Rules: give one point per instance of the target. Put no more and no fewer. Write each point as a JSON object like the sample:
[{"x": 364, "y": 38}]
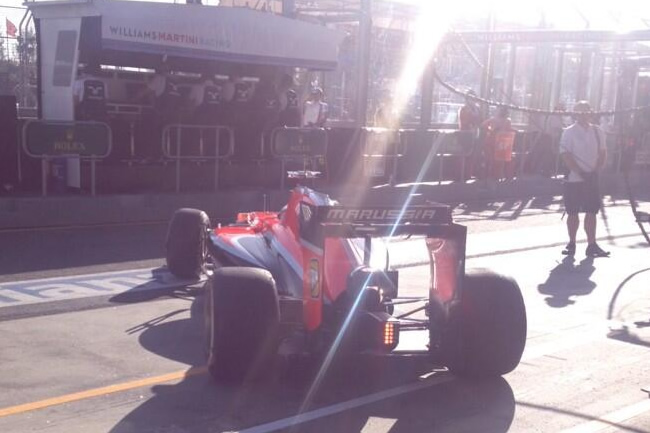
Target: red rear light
[
  {"x": 378, "y": 331},
  {"x": 391, "y": 334}
]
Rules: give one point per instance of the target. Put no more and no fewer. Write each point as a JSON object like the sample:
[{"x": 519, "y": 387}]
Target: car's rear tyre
[
  {"x": 186, "y": 245},
  {"x": 242, "y": 318},
  {"x": 492, "y": 321}
]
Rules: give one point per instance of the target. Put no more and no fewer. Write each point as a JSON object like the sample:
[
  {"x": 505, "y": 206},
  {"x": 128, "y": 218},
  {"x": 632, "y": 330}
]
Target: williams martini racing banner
[{"x": 222, "y": 33}]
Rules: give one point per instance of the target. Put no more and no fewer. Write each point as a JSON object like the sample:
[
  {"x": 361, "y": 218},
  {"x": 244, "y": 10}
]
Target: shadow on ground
[
  {"x": 568, "y": 280},
  {"x": 349, "y": 398},
  {"x": 506, "y": 210}
]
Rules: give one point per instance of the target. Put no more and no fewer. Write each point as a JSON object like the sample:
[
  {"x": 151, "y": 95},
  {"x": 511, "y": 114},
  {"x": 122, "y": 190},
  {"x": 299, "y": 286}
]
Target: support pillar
[
  {"x": 363, "y": 61},
  {"x": 288, "y": 8},
  {"x": 427, "y": 96},
  {"x": 486, "y": 78},
  {"x": 583, "y": 74},
  {"x": 557, "y": 81},
  {"x": 512, "y": 65}
]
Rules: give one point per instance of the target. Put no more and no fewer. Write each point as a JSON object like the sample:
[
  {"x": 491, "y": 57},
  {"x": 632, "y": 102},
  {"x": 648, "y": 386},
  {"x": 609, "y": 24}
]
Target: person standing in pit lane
[
  {"x": 491, "y": 129},
  {"x": 167, "y": 96},
  {"x": 469, "y": 122},
  {"x": 240, "y": 116},
  {"x": 583, "y": 150},
  {"x": 266, "y": 110},
  {"x": 289, "y": 103},
  {"x": 275, "y": 107},
  {"x": 469, "y": 115},
  {"x": 238, "y": 93},
  {"x": 162, "y": 91}
]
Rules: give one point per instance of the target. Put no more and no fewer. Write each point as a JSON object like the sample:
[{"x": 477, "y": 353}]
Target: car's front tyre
[{"x": 186, "y": 244}]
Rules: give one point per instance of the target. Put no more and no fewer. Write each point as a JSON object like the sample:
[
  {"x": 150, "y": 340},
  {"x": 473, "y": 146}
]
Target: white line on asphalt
[
  {"x": 374, "y": 422},
  {"x": 613, "y": 419},
  {"x": 77, "y": 276},
  {"x": 29, "y": 292},
  {"x": 437, "y": 379}
]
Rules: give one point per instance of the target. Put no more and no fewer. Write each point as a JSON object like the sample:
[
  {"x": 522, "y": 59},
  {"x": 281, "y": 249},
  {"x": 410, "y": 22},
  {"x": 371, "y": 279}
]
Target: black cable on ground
[{"x": 639, "y": 217}]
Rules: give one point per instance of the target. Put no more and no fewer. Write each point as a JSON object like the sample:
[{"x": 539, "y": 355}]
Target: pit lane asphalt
[
  {"x": 52, "y": 252},
  {"x": 572, "y": 372}
]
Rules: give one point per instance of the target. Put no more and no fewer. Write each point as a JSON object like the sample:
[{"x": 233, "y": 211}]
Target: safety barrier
[
  {"x": 510, "y": 149},
  {"x": 523, "y": 144},
  {"x": 204, "y": 131},
  {"x": 332, "y": 156},
  {"x": 380, "y": 150},
  {"x": 50, "y": 140},
  {"x": 615, "y": 143},
  {"x": 304, "y": 145},
  {"x": 453, "y": 145},
  {"x": 642, "y": 156},
  {"x": 131, "y": 114}
]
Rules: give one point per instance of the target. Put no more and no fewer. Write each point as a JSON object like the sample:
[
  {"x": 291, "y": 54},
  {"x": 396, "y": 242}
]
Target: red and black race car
[{"x": 304, "y": 279}]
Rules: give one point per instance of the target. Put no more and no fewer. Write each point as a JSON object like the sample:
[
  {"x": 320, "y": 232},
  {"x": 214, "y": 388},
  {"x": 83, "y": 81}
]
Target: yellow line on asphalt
[{"x": 83, "y": 395}]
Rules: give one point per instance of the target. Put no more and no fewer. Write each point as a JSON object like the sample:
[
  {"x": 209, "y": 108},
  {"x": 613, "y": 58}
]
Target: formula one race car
[{"x": 301, "y": 280}]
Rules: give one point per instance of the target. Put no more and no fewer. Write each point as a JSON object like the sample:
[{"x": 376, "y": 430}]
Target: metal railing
[
  {"x": 615, "y": 143},
  {"x": 642, "y": 156},
  {"x": 380, "y": 150},
  {"x": 131, "y": 113},
  {"x": 453, "y": 144},
  {"x": 177, "y": 131}
]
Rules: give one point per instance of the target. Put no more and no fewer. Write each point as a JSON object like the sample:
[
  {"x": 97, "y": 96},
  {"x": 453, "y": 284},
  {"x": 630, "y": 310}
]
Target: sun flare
[{"x": 431, "y": 25}]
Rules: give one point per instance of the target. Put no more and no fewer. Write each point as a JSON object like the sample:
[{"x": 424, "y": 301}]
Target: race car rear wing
[{"x": 318, "y": 222}]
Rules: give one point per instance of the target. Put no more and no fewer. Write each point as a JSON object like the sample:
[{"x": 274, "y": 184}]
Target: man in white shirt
[
  {"x": 315, "y": 111},
  {"x": 583, "y": 150}
]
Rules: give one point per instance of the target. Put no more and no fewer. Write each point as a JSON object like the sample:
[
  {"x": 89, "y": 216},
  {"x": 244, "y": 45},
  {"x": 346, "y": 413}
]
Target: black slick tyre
[
  {"x": 186, "y": 245},
  {"x": 492, "y": 321},
  {"x": 242, "y": 320}
]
